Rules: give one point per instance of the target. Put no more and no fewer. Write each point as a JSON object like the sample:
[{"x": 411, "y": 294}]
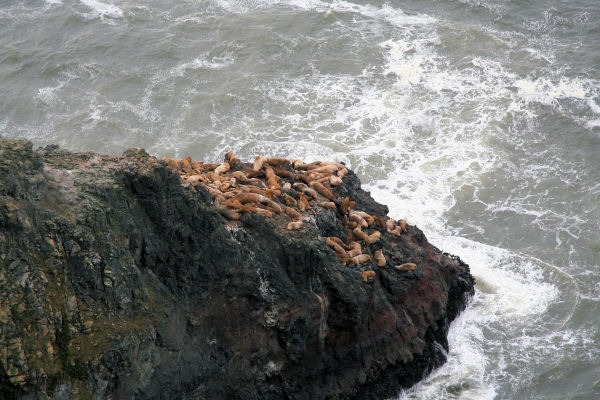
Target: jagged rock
[{"x": 117, "y": 281}]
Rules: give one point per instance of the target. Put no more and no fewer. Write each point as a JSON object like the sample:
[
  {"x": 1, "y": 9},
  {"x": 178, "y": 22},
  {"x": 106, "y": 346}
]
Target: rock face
[{"x": 119, "y": 282}]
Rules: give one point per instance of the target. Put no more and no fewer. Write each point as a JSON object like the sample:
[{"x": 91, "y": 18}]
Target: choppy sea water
[{"x": 477, "y": 120}]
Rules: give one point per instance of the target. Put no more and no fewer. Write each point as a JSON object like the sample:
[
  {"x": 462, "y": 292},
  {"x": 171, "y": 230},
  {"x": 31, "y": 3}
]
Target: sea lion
[
  {"x": 293, "y": 214},
  {"x": 171, "y": 163},
  {"x": 344, "y": 205},
  {"x": 406, "y": 267},
  {"x": 272, "y": 192},
  {"x": 298, "y": 164},
  {"x": 338, "y": 240},
  {"x": 284, "y": 174},
  {"x": 289, "y": 200},
  {"x": 343, "y": 258},
  {"x": 390, "y": 226},
  {"x": 273, "y": 184},
  {"x": 294, "y": 225},
  {"x": 230, "y": 158},
  {"x": 277, "y": 161},
  {"x": 303, "y": 177},
  {"x": 229, "y": 213},
  {"x": 379, "y": 258},
  {"x": 258, "y": 163},
  {"x": 361, "y": 259},
  {"x": 336, "y": 247},
  {"x": 240, "y": 176},
  {"x": 358, "y": 233},
  {"x": 355, "y": 249},
  {"x": 329, "y": 168},
  {"x": 349, "y": 224},
  {"x": 330, "y": 205},
  {"x": 301, "y": 187},
  {"x": 366, "y": 275},
  {"x": 379, "y": 221},
  {"x": 342, "y": 172},
  {"x": 195, "y": 178},
  {"x": 303, "y": 203},
  {"x": 403, "y": 225},
  {"x": 335, "y": 181},
  {"x": 373, "y": 237},
  {"x": 357, "y": 217},
  {"x": 186, "y": 165},
  {"x": 319, "y": 187},
  {"x": 255, "y": 209}
]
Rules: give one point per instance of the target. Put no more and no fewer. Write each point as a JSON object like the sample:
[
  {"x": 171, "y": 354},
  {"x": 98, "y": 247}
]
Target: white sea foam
[{"x": 100, "y": 9}]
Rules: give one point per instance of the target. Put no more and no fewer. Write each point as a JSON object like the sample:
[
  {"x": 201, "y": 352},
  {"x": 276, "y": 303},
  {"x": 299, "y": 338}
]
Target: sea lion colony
[{"x": 277, "y": 186}]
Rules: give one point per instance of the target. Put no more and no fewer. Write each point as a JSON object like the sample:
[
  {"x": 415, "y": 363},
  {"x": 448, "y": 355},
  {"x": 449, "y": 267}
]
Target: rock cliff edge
[{"x": 120, "y": 280}]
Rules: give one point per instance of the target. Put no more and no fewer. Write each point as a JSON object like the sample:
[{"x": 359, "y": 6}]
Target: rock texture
[{"x": 119, "y": 282}]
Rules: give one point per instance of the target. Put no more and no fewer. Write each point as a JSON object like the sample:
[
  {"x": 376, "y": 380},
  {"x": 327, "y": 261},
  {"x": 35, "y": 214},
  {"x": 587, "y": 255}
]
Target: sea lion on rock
[
  {"x": 230, "y": 158},
  {"x": 319, "y": 187},
  {"x": 379, "y": 258},
  {"x": 303, "y": 203},
  {"x": 293, "y": 214},
  {"x": 335, "y": 181},
  {"x": 229, "y": 213},
  {"x": 373, "y": 237},
  {"x": 361, "y": 259},
  {"x": 366, "y": 275},
  {"x": 358, "y": 233},
  {"x": 289, "y": 200},
  {"x": 330, "y": 205},
  {"x": 222, "y": 168},
  {"x": 258, "y": 163},
  {"x": 240, "y": 176},
  {"x": 406, "y": 267},
  {"x": 335, "y": 246}
]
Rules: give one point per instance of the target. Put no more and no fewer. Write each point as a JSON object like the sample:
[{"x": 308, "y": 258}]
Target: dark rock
[{"x": 167, "y": 300}]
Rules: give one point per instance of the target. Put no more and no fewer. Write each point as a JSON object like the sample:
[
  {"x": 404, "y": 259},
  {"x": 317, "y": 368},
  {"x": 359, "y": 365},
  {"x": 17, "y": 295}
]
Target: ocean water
[{"x": 477, "y": 120}]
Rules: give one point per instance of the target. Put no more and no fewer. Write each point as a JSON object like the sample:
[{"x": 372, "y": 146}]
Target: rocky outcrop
[{"x": 117, "y": 281}]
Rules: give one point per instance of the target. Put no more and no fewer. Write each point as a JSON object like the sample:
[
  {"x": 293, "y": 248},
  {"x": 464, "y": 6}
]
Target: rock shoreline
[{"x": 121, "y": 280}]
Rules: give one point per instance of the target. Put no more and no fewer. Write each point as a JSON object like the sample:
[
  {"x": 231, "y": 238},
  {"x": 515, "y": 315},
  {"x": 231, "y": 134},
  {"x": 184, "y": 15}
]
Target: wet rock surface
[{"x": 120, "y": 280}]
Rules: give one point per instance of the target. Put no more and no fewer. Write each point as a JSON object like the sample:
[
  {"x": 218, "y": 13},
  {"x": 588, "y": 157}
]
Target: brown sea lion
[
  {"x": 366, "y": 275},
  {"x": 284, "y": 173},
  {"x": 293, "y": 214},
  {"x": 359, "y": 234},
  {"x": 229, "y": 213},
  {"x": 344, "y": 205},
  {"x": 258, "y": 163},
  {"x": 330, "y": 205},
  {"x": 357, "y": 217},
  {"x": 335, "y": 181},
  {"x": 336, "y": 247},
  {"x": 373, "y": 237},
  {"x": 406, "y": 267},
  {"x": 230, "y": 158},
  {"x": 277, "y": 161},
  {"x": 289, "y": 200},
  {"x": 379, "y": 258},
  {"x": 319, "y": 187},
  {"x": 361, "y": 259},
  {"x": 171, "y": 163},
  {"x": 303, "y": 203},
  {"x": 329, "y": 168}
]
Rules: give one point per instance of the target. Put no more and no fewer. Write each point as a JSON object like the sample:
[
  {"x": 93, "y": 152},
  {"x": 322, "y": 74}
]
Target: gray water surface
[{"x": 477, "y": 120}]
